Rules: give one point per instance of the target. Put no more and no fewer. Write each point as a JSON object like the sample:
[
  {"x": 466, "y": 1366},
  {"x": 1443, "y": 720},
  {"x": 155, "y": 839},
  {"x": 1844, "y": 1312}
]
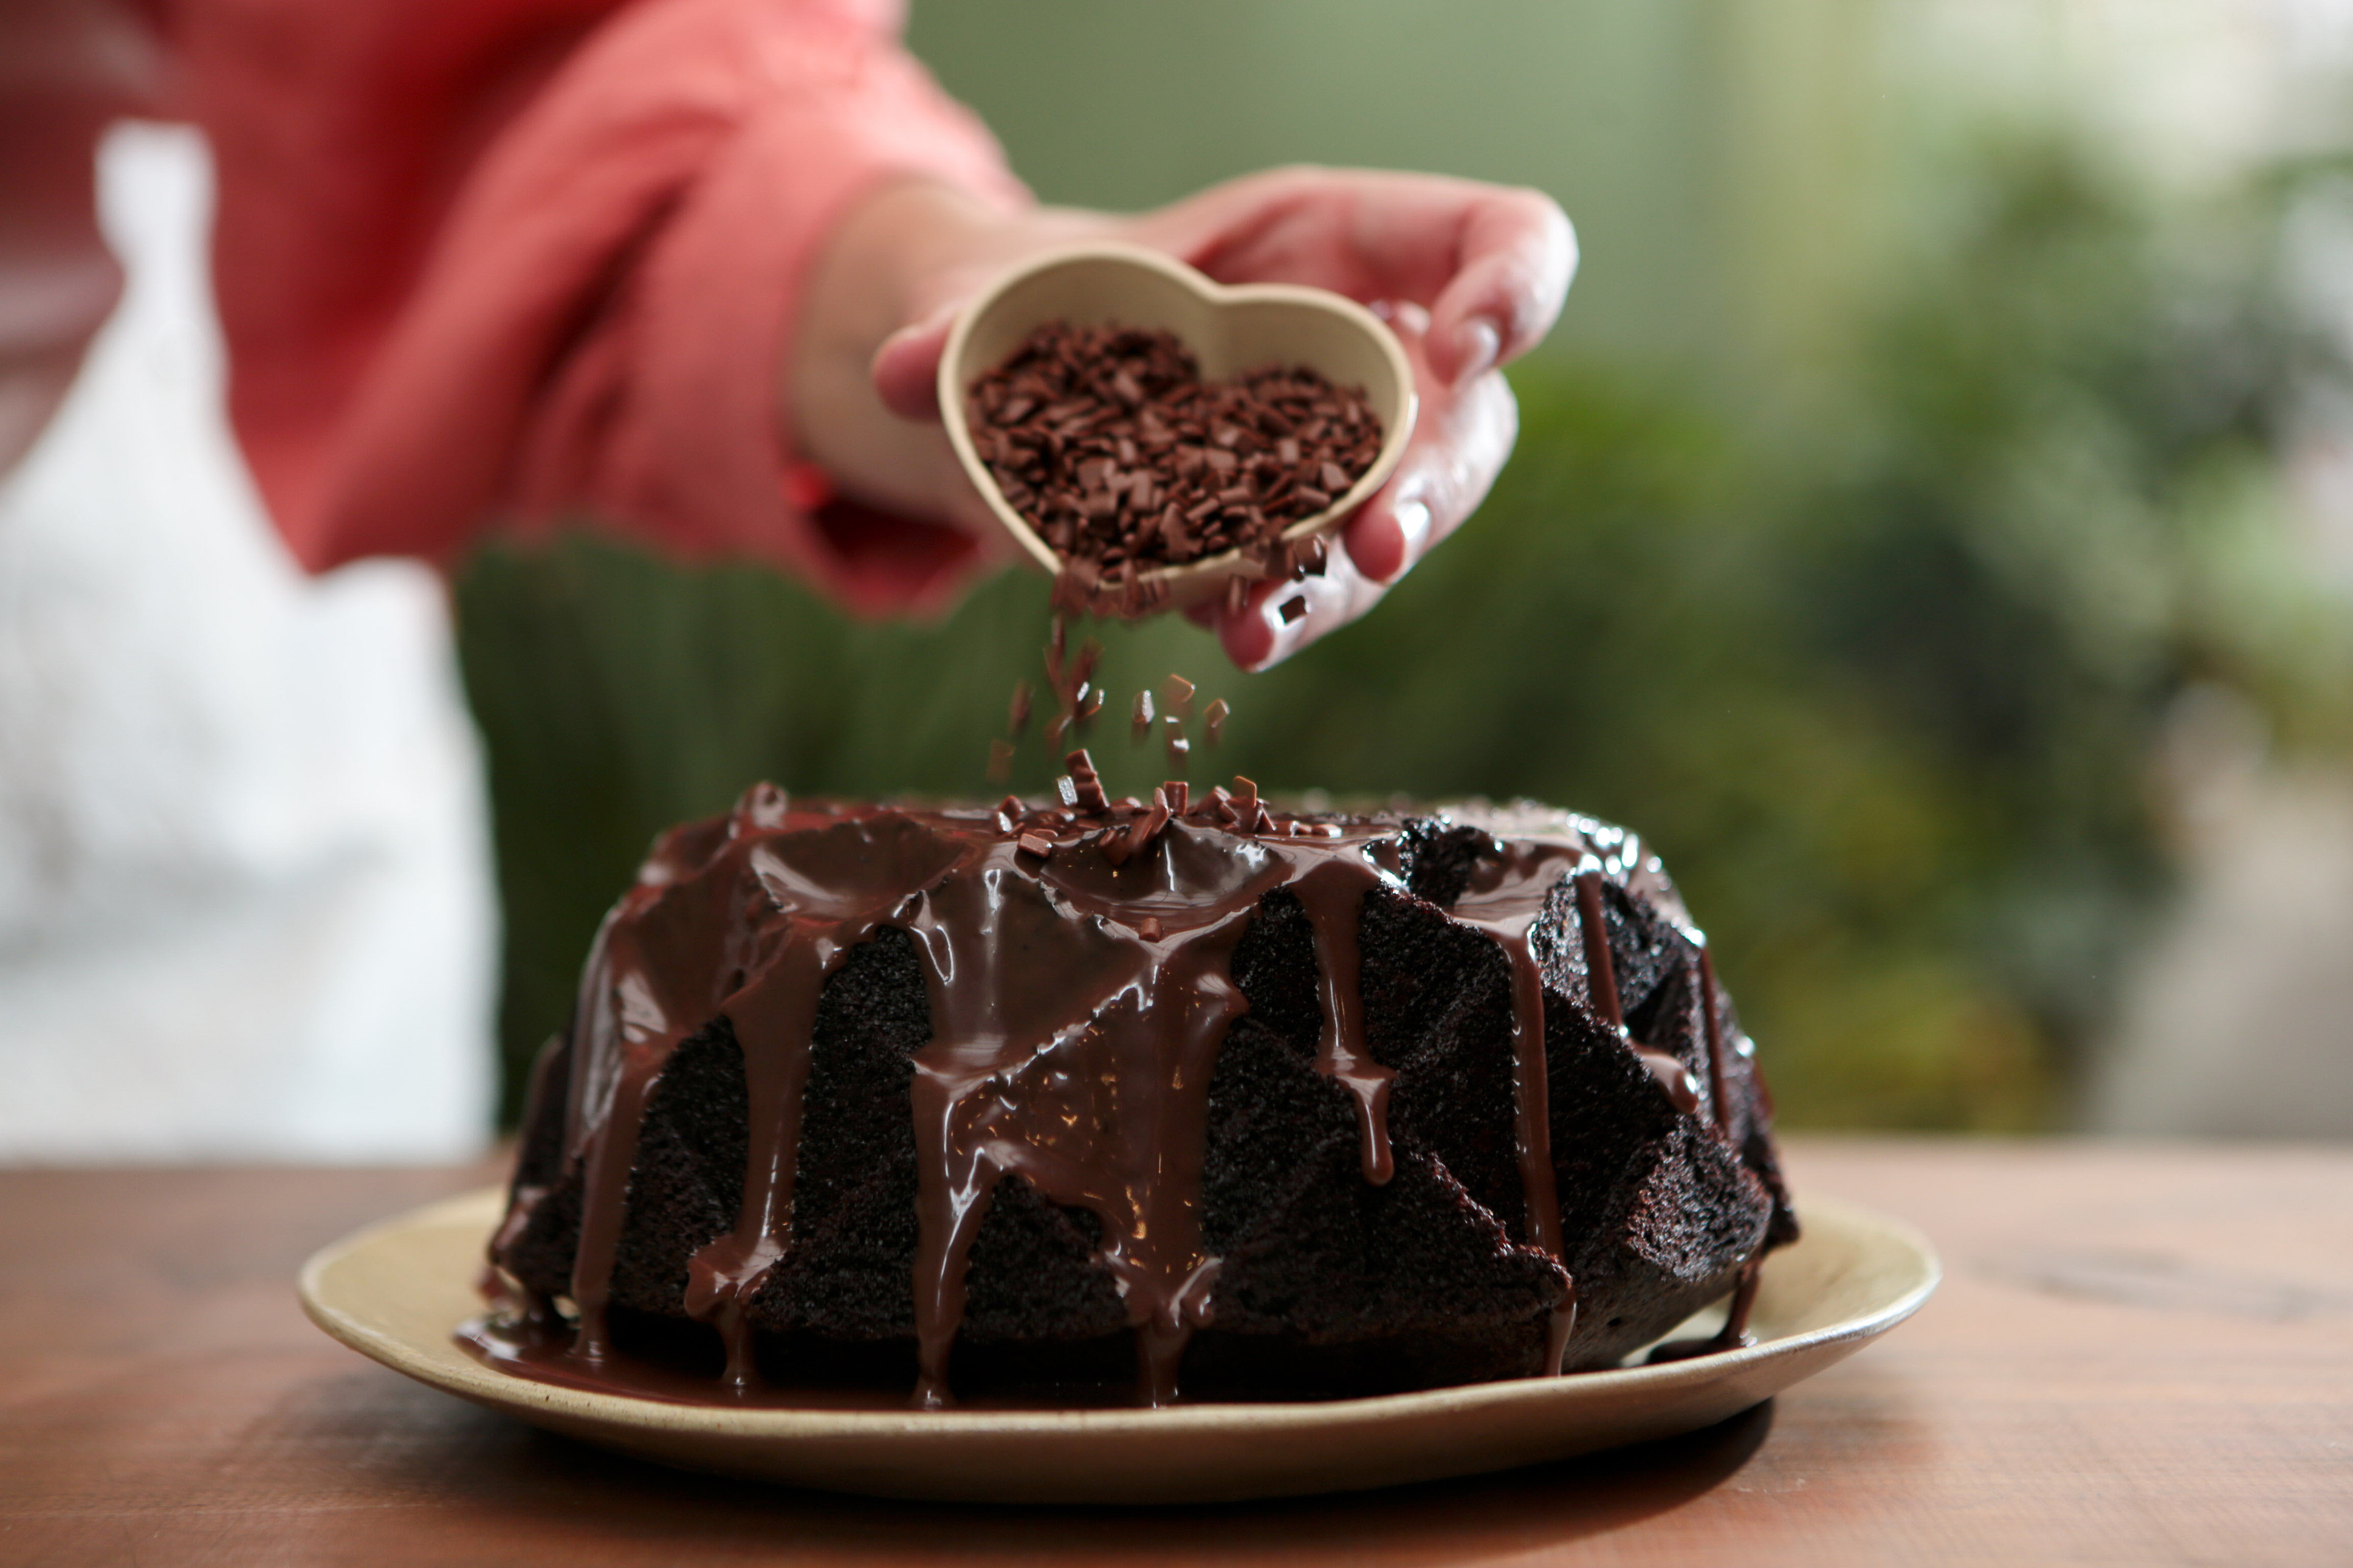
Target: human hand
[{"x": 1469, "y": 275}]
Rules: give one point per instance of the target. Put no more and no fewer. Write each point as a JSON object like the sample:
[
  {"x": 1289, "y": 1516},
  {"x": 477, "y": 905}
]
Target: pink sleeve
[{"x": 517, "y": 261}]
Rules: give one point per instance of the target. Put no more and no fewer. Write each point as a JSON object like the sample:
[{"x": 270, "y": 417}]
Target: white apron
[{"x": 244, "y": 906}]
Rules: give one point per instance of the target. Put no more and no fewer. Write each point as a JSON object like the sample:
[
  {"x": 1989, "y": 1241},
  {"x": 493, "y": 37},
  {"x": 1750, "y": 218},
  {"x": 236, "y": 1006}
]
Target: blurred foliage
[{"x": 1880, "y": 676}]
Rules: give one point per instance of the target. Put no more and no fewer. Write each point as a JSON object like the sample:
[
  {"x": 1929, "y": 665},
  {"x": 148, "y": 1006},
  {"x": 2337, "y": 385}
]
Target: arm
[{"x": 519, "y": 260}]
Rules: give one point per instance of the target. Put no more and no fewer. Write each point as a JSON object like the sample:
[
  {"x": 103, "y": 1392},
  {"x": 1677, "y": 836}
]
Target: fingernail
[
  {"x": 1413, "y": 528},
  {"x": 1285, "y": 619},
  {"x": 1477, "y": 343}
]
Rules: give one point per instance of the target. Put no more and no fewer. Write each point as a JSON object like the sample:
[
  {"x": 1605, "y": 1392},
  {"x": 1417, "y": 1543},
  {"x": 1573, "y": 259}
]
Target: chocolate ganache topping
[{"x": 1077, "y": 960}]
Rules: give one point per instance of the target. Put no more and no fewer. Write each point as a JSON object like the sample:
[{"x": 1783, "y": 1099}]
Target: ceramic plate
[{"x": 395, "y": 1290}]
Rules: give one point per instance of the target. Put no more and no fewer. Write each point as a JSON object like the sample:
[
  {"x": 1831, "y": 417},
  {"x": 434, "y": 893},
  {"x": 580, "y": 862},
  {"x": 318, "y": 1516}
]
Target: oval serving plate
[{"x": 394, "y": 1293}]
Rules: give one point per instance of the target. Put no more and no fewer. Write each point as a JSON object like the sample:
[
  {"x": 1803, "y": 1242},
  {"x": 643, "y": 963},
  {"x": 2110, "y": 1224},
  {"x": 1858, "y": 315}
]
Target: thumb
[{"x": 906, "y": 368}]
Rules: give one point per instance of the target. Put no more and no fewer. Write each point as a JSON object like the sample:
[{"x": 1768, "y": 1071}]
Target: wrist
[
  {"x": 901, "y": 256},
  {"x": 878, "y": 270}
]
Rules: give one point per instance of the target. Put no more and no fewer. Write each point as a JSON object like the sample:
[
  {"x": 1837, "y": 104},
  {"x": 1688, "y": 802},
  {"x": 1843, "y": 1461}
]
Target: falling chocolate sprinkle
[
  {"x": 1017, "y": 718},
  {"x": 1140, "y": 723},
  {"x": 1178, "y": 697},
  {"x": 1000, "y": 761},
  {"x": 1214, "y": 718},
  {"x": 1086, "y": 784}
]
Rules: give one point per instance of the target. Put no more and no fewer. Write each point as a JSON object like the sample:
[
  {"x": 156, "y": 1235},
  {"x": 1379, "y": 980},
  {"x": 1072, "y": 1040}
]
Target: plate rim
[{"x": 578, "y": 1408}]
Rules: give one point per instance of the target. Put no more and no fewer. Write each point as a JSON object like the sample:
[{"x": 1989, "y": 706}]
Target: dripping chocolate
[{"x": 1091, "y": 1100}]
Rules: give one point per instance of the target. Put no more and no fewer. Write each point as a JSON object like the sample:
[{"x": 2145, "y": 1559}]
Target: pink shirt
[{"x": 512, "y": 262}]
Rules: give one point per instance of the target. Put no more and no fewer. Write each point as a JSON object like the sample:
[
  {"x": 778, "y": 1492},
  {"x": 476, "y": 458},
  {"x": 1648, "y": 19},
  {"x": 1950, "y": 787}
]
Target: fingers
[
  {"x": 1518, "y": 257},
  {"x": 1460, "y": 442},
  {"x": 1491, "y": 263},
  {"x": 1388, "y": 534},
  {"x": 1279, "y": 618},
  {"x": 1458, "y": 448},
  {"x": 1460, "y": 439},
  {"x": 906, "y": 367}
]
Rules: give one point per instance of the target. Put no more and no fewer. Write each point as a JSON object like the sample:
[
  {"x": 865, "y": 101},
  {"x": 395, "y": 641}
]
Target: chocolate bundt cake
[{"x": 1109, "y": 1101}]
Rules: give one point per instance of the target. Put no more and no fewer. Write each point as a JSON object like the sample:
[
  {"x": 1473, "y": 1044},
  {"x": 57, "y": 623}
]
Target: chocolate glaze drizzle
[
  {"x": 1735, "y": 1333},
  {"x": 1506, "y": 893},
  {"x": 1076, "y": 960}
]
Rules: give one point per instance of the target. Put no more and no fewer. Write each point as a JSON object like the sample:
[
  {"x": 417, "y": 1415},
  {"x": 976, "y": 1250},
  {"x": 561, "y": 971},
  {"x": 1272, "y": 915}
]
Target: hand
[{"x": 1469, "y": 275}]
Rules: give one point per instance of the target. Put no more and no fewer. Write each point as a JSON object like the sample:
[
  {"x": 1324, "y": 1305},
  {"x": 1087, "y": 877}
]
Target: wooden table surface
[{"x": 2140, "y": 1354}]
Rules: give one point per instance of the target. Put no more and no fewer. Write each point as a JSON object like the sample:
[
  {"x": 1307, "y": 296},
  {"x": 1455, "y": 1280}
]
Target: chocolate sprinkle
[{"x": 1108, "y": 441}]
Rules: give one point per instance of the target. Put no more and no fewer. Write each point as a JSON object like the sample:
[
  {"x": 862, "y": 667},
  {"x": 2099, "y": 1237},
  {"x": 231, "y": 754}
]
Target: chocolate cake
[{"x": 1111, "y": 1100}]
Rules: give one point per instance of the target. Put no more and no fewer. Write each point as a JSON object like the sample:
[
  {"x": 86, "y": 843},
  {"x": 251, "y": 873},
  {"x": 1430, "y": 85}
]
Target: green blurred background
[{"x": 1913, "y": 442}]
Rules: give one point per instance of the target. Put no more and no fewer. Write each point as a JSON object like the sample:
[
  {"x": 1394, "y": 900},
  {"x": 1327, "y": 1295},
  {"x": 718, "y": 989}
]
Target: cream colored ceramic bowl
[
  {"x": 397, "y": 1291},
  {"x": 1230, "y": 329}
]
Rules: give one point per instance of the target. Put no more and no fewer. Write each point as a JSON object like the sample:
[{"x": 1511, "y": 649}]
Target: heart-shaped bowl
[{"x": 1229, "y": 329}]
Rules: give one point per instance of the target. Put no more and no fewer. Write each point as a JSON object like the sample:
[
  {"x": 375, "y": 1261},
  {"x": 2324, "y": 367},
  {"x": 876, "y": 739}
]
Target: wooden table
[{"x": 2141, "y": 1354}]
